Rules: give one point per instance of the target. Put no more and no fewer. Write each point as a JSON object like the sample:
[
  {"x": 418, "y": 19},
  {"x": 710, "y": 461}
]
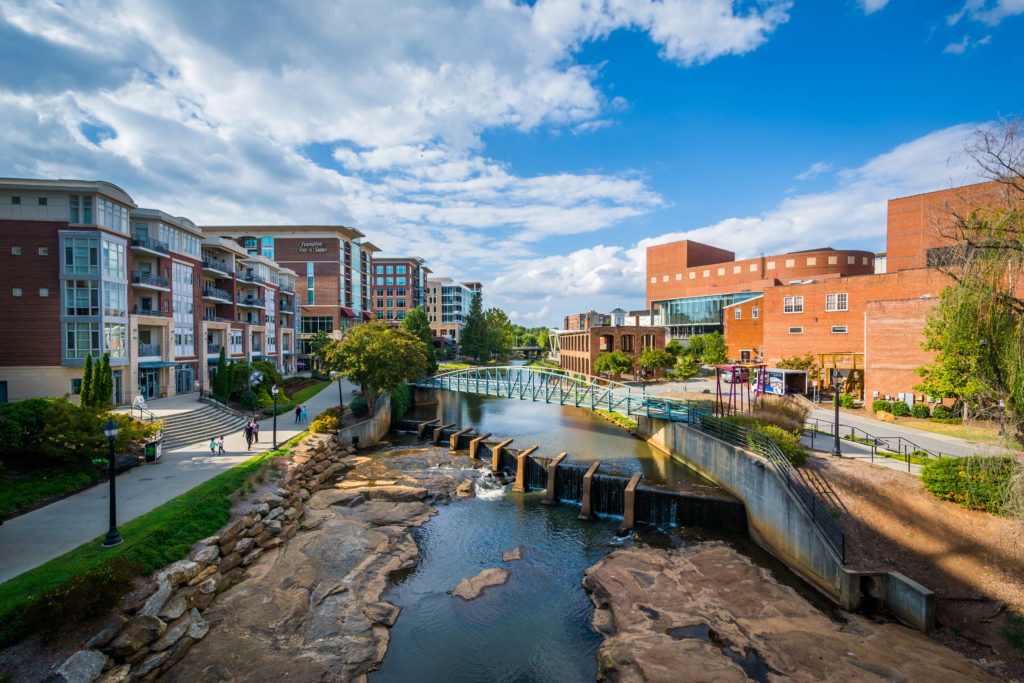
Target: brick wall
[
  {"x": 745, "y": 333},
  {"x": 30, "y": 333},
  {"x": 893, "y": 345},
  {"x": 579, "y": 350}
]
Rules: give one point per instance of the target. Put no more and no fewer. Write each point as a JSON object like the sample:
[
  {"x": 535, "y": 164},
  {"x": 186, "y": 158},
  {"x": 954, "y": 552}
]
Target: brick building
[
  {"x": 578, "y": 349},
  {"x": 584, "y": 321},
  {"x": 399, "y": 285}
]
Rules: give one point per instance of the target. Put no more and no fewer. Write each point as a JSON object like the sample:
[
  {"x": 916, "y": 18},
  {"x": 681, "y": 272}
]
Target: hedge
[
  {"x": 920, "y": 410},
  {"x": 976, "y": 482},
  {"x": 900, "y": 409},
  {"x": 942, "y": 412},
  {"x": 879, "y": 404}
]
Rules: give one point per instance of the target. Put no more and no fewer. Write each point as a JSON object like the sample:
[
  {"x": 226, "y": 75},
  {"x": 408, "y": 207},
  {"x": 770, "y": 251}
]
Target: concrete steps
[{"x": 197, "y": 427}]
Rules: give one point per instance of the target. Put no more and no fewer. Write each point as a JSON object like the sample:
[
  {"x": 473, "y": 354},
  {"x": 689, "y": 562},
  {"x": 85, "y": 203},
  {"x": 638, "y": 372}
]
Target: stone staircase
[{"x": 197, "y": 427}]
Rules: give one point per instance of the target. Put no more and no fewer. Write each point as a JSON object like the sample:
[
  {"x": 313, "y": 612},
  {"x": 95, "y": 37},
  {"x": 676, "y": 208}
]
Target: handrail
[{"x": 903, "y": 446}]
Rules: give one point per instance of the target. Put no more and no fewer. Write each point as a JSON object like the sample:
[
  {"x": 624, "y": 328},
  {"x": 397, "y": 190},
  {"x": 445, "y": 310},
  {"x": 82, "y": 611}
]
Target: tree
[
  {"x": 686, "y": 368},
  {"x": 499, "y": 333},
  {"x": 614, "y": 363},
  {"x": 653, "y": 358},
  {"x": 377, "y": 358},
  {"x": 955, "y": 372},
  {"x": 417, "y": 324},
  {"x": 675, "y": 348},
  {"x": 475, "y": 337},
  {"x": 85, "y": 396},
  {"x": 102, "y": 387},
  {"x": 709, "y": 349},
  {"x": 317, "y": 342},
  {"x": 221, "y": 382}
]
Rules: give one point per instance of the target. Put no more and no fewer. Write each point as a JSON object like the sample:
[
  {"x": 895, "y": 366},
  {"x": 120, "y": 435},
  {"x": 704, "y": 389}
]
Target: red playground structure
[{"x": 737, "y": 380}]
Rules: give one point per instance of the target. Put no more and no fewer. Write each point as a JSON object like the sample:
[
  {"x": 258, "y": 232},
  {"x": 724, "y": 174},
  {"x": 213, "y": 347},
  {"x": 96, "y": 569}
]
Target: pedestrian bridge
[{"x": 558, "y": 386}]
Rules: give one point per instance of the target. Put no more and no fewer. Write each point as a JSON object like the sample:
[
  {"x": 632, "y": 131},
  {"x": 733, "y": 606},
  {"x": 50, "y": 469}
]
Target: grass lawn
[
  {"x": 983, "y": 432},
  {"x": 298, "y": 398},
  {"x": 161, "y": 536},
  {"x": 618, "y": 419},
  {"x": 28, "y": 489}
]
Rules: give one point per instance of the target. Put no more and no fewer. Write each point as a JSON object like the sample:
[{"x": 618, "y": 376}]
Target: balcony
[
  {"x": 287, "y": 288},
  {"x": 150, "y": 311},
  {"x": 150, "y": 281},
  {"x": 215, "y": 319},
  {"x": 250, "y": 277},
  {"x": 150, "y": 245},
  {"x": 257, "y": 348},
  {"x": 215, "y": 294},
  {"x": 286, "y": 307},
  {"x": 217, "y": 267},
  {"x": 149, "y": 350},
  {"x": 213, "y": 349},
  {"x": 251, "y": 302}
]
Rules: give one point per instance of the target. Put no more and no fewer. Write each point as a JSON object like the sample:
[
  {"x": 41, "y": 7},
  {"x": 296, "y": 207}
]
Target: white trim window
[
  {"x": 754, "y": 313},
  {"x": 839, "y": 329},
  {"x": 796, "y": 330},
  {"x": 793, "y": 304},
  {"x": 738, "y": 314},
  {"x": 836, "y": 302}
]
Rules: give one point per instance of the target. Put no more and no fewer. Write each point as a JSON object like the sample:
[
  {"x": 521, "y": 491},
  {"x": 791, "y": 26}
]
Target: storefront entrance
[
  {"x": 149, "y": 382},
  {"x": 184, "y": 378}
]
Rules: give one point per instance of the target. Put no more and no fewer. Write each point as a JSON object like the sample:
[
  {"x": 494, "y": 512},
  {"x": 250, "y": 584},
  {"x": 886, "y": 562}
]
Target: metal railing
[
  {"x": 215, "y": 293},
  {"x": 891, "y": 444},
  {"x": 149, "y": 349},
  {"x": 251, "y": 301},
  {"x": 213, "y": 348},
  {"x": 215, "y": 319},
  {"x": 140, "y": 278},
  {"x": 150, "y": 311},
  {"x": 151, "y": 244},
  {"x": 210, "y": 264}
]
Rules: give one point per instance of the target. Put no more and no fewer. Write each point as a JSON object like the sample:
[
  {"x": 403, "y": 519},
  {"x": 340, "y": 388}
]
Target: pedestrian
[
  {"x": 220, "y": 446},
  {"x": 213, "y": 445},
  {"x": 298, "y": 413},
  {"x": 255, "y": 431},
  {"x": 248, "y": 435},
  {"x": 304, "y": 417}
]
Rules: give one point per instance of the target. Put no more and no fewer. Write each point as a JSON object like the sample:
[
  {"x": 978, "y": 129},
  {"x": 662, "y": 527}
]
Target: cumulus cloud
[
  {"x": 991, "y": 13},
  {"x": 870, "y": 6}
]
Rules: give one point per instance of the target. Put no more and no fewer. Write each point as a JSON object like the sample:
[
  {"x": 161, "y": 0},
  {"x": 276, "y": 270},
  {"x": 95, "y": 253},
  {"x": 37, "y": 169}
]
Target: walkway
[{"x": 41, "y": 535}]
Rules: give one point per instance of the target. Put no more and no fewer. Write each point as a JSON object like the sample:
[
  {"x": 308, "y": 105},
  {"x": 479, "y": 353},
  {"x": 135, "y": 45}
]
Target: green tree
[
  {"x": 709, "y": 349},
  {"x": 686, "y": 368},
  {"x": 614, "y": 363},
  {"x": 107, "y": 383},
  {"x": 221, "y": 382},
  {"x": 499, "y": 333},
  {"x": 652, "y": 358},
  {"x": 417, "y": 324},
  {"x": 675, "y": 348},
  {"x": 377, "y": 358},
  {"x": 317, "y": 342},
  {"x": 85, "y": 396},
  {"x": 475, "y": 336}
]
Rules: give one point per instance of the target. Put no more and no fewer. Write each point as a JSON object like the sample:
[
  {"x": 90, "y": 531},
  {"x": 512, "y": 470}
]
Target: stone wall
[{"x": 155, "y": 634}]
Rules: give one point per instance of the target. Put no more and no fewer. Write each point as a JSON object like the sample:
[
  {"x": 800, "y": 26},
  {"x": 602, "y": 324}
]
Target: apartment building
[
  {"x": 448, "y": 304},
  {"x": 399, "y": 285},
  {"x": 335, "y": 262},
  {"x": 584, "y": 321},
  {"x": 578, "y": 349}
]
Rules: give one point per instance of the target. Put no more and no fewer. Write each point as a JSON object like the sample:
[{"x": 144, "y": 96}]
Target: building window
[
  {"x": 679, "y": 276},
  {"x": 753, "y": 313},
  {"x": 850, "y": 260},
  {"x": 80, "y": 209},
  {"x": 43, "y": 291},
  {"x": 15, "y": 251},
  {"x": 721, "y": 271},
  {"x": 114, "y": 263},
  {"x": 653, "y": 280},
  {"x": 15, "y": 200},
  {"x": 44, "y": 251},
  {"x": 833, "y": 260},
  {"x": 796, "y": 330},
  {"x": 81, "y": 297},
  {"x": 42, "y": 201},
  {"x": 790, "y": 262},
  {"x": 16, "y": 291},
  {"x": 707, "y": 273},
  {"x": 812, "y": 261},
  {"x": 835, "y": 302},
  {"x": 379, "y": 270},
  {"x": 400, "y": 303},
  {"x": 753, "y": 267},
  {"x": 400, "y": 270},
  {"x": 839, "y": 329},
  {"x": 82, "y": 339},
  {"x": 81, "y": 256},
  {"x": 693, "y": 275},
  {"x": 400, "y": 281},
  {"x": 267, "y": 247},
  {"x": 316, "y": 323},
  {"x": 627, "y": 342},
  {"x": 738, "y": 315},
  {"x": 793, "y": 304},
  {"x": 113, "y": 216},
  {"x": 864, "y": 260},
  {"x": 76, "y": 386}
]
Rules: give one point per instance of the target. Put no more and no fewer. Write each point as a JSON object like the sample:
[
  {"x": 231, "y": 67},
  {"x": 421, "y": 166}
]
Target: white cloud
[
  {"x": 871, "y": 6},
  {"x": 956, "y": 48},
  {"x": 991, "y": 13},
  {"x": 816, "y": 169}
]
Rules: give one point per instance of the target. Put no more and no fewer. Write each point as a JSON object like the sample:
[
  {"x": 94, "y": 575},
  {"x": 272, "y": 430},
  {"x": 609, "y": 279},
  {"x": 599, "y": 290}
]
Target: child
[
  {"x": 303, "y": 413},
  {"x": 220, "y": 446},
  {"x": 213, "y": 446}
]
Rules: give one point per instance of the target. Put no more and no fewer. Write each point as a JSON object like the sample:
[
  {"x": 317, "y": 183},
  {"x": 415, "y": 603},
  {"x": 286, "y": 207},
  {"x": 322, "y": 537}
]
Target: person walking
[
  {"x": 304, "y": 416},
  {"x": 213, "y": 446},
  {"x": 298, "y": 413},
  {"x": 248, "y": 435},
  {"x": 255, "y": 431},
  {"x": 220, "y": 446}
]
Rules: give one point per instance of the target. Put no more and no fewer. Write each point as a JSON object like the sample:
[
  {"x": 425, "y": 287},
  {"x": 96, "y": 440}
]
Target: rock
[
  {"x": 201, "y": 576},
  {"x": 252, "y": 557},
  {"x": 256, "y": 530},
  {"x": 119, "y": 674},
  {"x": 231, "y": 561},
  {"x": 270, "y": 543},
  {"x": 227, "y": 547},
  {"x": 381, "y": 613},
  {"x": 210, "y": 584},
  {"x": 470, "y": 589},
  {"x": 345, "y": 499},
  {"x": 210, "y": 540},
  {"x": 141, "y": 630},
  {"x": 303, "y": 494},
  {"x": 249, "y": 520},
  {"x": 173, "y": 634},
  {"x": 85, "y": 666},
  {"x": 206, "y": 555},
  {"x": 178, "y": 573},
  {"x": 150, "y": 663},
  {"x": 261, "y": 509},
  {"x": 395, "y": 494},
  {"x": 465, "y": 489},
  {"x": 272, "y": 500},
  {"x": 136, "y": 656},
  {"x": 289, "y": 531},
  {"x": 274, "y": 527},
  {"x": 107, "y": 633},
  {"x": 514, "y": 554},
  {"x": 155, "y": 602},
  {"x": 178, "y": 652},
  {"x": 231, "y": 530},
  {"x": 244, "y": 546},
  {"x": 178, "y": 604}
]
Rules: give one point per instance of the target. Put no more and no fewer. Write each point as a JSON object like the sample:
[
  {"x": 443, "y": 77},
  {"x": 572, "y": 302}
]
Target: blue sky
[{"x": 537, "y": 147}]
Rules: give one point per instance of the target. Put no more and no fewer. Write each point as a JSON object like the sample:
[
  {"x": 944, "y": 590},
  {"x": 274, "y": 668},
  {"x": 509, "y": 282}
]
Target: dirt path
[{"x": 973, "y": 561}]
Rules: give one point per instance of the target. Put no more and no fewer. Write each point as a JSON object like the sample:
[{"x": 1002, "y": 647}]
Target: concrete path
[
  {"x": 822, "y": 445},
  {"x": 41, "y": 535}
]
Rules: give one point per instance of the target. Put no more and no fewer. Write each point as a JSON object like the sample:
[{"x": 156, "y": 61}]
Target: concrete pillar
[
  {"x": 629, "y": 503},
  {"x": 423, "y": 426},
  {"x": 521, "y": 486},
  {"x": 585, "y": 508},
  {"x": 455, "y": 438},
  {"x": 550, "y": 496},
  {"x": 438, "y": 430},
  {"x": 496, "y": 455},
  {"x": 474, "y": 445}
]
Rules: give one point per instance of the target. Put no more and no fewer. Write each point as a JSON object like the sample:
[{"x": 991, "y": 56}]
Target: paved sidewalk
[{"x": 41, "y": 535}]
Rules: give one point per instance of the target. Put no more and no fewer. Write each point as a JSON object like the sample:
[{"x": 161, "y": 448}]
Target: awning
[
  {"x": 367, "y": 316},
  {"x": 348, "y": 312},
  {"x": 149, "y": 364}
]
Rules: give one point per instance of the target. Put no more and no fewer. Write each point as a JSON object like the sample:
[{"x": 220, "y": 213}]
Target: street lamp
[
  {"x": 837, "y": 382},
  {"x": 341, "y": 395},
  {"x": 273, "y": 392},
  {"x": 113, "y": 537}
]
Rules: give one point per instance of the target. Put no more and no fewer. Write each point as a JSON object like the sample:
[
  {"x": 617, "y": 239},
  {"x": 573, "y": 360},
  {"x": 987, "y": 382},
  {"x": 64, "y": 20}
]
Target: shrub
[
  {"x": 264, "y": 398},
  {"x": 248, "y": 400},
  {"x": 780, "y": 411},
  {"x": 879, "y": 404},
  {"x": 900, "y": 409},
  {"x": 846, "y": 401},
  {"x": 788, "y": 442},
  {"x": 941, "y": 412},
  {"x": 976, "y": 482},
  {"x": 920, "y": 410},
  {"x": 358, "y": 406},
  {"x": 328, "y": 420}
]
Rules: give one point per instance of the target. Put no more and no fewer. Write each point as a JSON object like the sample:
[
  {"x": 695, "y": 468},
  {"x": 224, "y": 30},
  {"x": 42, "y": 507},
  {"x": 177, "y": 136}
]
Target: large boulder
[
  {"x": 141, "y": 630},
  {"x": 85, "y": 666},
  {"x": 470, "y": 589},
  {"x": 179, "y": 572}
]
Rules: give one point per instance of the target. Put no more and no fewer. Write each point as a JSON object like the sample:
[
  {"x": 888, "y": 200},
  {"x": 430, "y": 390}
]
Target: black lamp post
[
  {"x": 273, "y": 392},
  {"x": 836, "y": 382},
  {"x": 341, "y": 395},
  {"x": 113, "y": 536}
]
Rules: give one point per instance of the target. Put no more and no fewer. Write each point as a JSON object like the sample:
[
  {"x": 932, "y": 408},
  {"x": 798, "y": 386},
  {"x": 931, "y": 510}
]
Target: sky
[{"x": 537, "y": 147}]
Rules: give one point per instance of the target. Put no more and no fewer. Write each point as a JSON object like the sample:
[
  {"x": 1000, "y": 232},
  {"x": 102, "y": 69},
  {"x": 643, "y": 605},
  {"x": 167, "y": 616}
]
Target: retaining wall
[{"x": 370, "y": 431}]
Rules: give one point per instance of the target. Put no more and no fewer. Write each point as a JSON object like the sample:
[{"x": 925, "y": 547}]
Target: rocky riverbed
[{"x": 706, "y": 613}]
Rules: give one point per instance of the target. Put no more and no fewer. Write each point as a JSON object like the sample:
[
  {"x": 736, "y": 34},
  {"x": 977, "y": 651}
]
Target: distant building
[
  {"x": 584, "y": 321},
  {"x": 448, "y": 304},
  {"x": 578, "y": 349},
  {"x": 399, "y": 285}
]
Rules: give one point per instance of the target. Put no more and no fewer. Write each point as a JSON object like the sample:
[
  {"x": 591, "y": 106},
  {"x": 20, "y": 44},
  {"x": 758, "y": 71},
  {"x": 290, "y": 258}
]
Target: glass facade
[{"x": 696, "y": 314}]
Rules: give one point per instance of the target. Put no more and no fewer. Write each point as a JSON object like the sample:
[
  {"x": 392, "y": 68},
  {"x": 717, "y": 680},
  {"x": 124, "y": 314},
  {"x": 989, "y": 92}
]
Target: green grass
[
  {"x": 545, "y": 364},
  {"x": 914, "y": 459},
  {"x": 298, "y": 398},
  {"x": 618, "y": 419},
  {"x": 23, "y": 491},
  {"x": 161, "y": 536}
]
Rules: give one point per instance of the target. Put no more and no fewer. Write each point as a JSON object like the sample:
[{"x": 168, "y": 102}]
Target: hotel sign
[{"x": 306, "y": 247}]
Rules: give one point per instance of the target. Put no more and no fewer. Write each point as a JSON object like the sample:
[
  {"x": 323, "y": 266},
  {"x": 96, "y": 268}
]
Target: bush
[
  {"x": 401, "y": 401},
  {"x": 788, "y": 442},
  {"x": 976, "y": 482},
  {"x": 264, "y": 398},
  {"x": 846, "y": 401},
  {"x": 780, "y": 411},
  {"x": 920, "y": 410},
  {"x": 900, "y": 409},
  {"x": 328, "y": 420},
  {"x": 89, "y": 594},
  {"x": 879, "y": 404},
  {"x": 941, "y": 412},
  {"x": 248, "y": 400}
]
